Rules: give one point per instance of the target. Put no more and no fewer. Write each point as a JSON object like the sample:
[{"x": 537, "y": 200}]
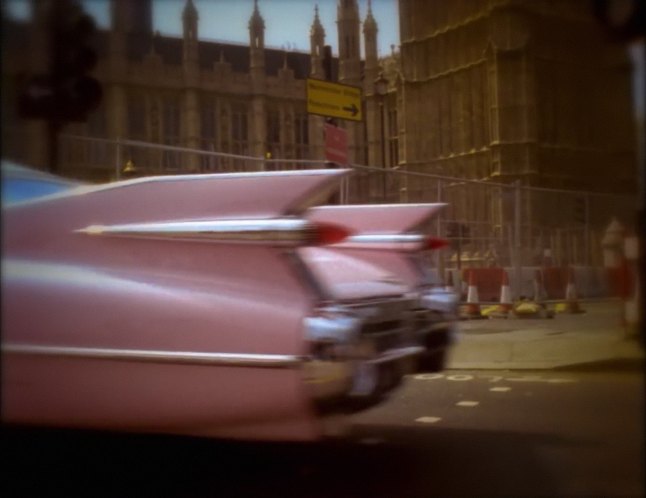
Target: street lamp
[
  {"x": 381, "y": 89},
  {"x": 128, "y": 170}
]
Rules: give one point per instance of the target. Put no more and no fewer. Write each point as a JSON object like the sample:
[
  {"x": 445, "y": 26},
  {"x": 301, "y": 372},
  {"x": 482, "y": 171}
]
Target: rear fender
[{"x": 392, "y": 237}]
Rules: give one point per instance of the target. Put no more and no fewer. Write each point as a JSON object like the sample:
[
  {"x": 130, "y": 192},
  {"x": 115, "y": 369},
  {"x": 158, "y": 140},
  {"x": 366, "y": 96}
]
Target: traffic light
[
  {"x": 74, "y": 58},
  {"x": 67, "y": 92}
]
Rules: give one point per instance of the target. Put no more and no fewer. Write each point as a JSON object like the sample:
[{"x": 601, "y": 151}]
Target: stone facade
[
  {"x": 233, "y": 98},
  {"x": 512, "y": 90},
  {"x": 497, "y": 90}
]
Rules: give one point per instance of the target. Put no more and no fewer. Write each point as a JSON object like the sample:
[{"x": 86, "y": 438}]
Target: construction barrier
[
  {"x": 631, "y": 293},
  {"x": 471, "y": 309},
  {"x": 488, "y": 281},
  {"x": 555, "y": 281},
  {"x": 505, "y": 305},
  {"x": 591, "y": 282}
]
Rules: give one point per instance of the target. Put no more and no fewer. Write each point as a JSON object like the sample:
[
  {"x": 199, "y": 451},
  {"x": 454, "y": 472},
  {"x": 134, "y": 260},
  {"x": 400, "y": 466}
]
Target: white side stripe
[
  {"x": 280, "y": 231},
  {"x": 151, "y": 356}
]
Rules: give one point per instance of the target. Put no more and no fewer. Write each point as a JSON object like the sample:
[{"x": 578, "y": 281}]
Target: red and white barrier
[
  {"x": 472, "y": 307},
  {"x": 506, "y": 303},
  {"x": 632, "y": 310}
]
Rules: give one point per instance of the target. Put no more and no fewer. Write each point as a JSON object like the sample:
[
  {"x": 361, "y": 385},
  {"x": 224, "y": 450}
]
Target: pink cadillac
[{"x": 199, "y": 304}]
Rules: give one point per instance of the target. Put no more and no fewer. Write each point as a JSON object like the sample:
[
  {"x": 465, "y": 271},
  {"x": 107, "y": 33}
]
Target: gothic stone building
[
  {"x": 248, "y": 100},
  {"x": 493, "y": 90},
  {"x": 512, "y": 90}
]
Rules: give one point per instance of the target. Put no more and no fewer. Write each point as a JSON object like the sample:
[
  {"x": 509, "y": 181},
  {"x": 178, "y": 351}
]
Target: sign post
[
  {"x": 334, "y": 100},
  {"x": 336, "y": 144}
]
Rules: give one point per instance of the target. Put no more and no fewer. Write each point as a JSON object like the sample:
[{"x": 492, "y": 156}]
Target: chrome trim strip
[
  {"x": 399, "y": 238},
  {"x": 391, "y": 242},
  {"x": 381, "y": 206},
  {"x": 281, "y": 231},
  {"x": 172, "y": 357}
]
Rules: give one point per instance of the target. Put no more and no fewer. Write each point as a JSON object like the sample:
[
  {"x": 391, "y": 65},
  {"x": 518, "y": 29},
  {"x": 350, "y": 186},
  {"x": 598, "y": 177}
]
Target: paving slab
[{"x": 596, "y": 337}]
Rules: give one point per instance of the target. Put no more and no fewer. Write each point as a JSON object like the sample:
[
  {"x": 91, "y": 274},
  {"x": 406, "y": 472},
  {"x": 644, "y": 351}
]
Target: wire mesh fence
[{"x": 487, "y": 223}]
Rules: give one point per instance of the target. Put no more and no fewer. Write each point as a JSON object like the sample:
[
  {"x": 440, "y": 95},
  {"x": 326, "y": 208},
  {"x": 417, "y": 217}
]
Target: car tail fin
[
  {"x": 392, "y": 237},
  {"x": 398, "y": 227},
  {"x": 251, "y": 194},
  {"x": 264, "y": 208}
]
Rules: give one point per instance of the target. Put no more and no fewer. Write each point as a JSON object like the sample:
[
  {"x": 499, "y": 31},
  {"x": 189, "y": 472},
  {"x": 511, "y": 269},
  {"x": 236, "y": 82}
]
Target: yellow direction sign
[{"x": 334, "y": 100}]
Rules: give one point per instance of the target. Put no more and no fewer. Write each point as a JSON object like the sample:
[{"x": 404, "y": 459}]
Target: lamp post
[
  {"x": 381, "y": 89},
  {"x": 456, "y": 229},
  {"x": 129, "y": 169}
]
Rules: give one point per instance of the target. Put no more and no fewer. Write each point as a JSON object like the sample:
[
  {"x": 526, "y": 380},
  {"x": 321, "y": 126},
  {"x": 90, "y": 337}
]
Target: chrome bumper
[
  {"x": 359, "y": 353},
  {"x": 436, "y": 327}
]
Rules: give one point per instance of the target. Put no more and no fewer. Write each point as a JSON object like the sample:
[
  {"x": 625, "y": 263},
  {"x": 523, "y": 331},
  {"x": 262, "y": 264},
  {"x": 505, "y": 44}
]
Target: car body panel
[
  {"x": 107, "y": 324},
  {"x": 20, "y": 183},
  {"x": 378, "y": 218},
  {"x": 348, "y": 277},
  {"x": 392, "y": 237},
  {"x": 400, "y": 257}
]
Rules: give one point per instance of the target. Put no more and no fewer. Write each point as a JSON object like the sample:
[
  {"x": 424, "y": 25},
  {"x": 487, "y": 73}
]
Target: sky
[{"x": 287, "y": 22}]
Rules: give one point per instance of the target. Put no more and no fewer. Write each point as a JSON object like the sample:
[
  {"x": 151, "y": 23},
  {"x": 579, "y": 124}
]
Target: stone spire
[
  {"x": 317, "y": 31},
  {"x": 317, "y": 46},
  {"x": 257, "y": 50},
  {"x": 348, "y": 27},
  {"x": 370, "y": 31},
  {"x": 189, "y": 21},
  {"x": 256, "y": 28}
]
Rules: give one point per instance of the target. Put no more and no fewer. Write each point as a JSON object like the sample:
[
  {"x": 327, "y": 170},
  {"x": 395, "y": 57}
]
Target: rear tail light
[
  {"x": 435, "y": 243},
  {"x": 329, "y": 233}
]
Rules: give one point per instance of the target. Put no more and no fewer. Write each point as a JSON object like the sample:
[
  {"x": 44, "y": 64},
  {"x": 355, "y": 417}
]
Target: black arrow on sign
[{"x": 353, "y": 109}]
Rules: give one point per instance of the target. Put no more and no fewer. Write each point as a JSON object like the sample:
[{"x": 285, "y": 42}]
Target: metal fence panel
[{"x": 487, "y": 224}]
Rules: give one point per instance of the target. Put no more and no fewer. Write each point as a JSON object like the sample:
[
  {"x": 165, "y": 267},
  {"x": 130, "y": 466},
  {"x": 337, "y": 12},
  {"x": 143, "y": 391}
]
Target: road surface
[{"x": 459, "y": 433}]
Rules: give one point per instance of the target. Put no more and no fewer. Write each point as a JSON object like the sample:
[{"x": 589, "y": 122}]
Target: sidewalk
[{"x": 595, "y": 337}]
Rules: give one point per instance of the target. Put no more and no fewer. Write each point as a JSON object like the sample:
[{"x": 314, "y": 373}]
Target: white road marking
[
  {"x": 428, "y": 420},
  {"x": 460, "y": 378},
  {"x": 494, "y": 378},
  {"x": 469, "y": 404},
  {"x": 429, "y": 376},
  {"x": 538, "y": 378},
  {"x": 500, "y": 389}
]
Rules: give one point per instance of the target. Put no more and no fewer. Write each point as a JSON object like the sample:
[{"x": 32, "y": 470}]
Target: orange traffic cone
[
  {"x": 472, "y": 308},
  {"x": 505, "y": 305},
  {"x": 571, "y": 296}
]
